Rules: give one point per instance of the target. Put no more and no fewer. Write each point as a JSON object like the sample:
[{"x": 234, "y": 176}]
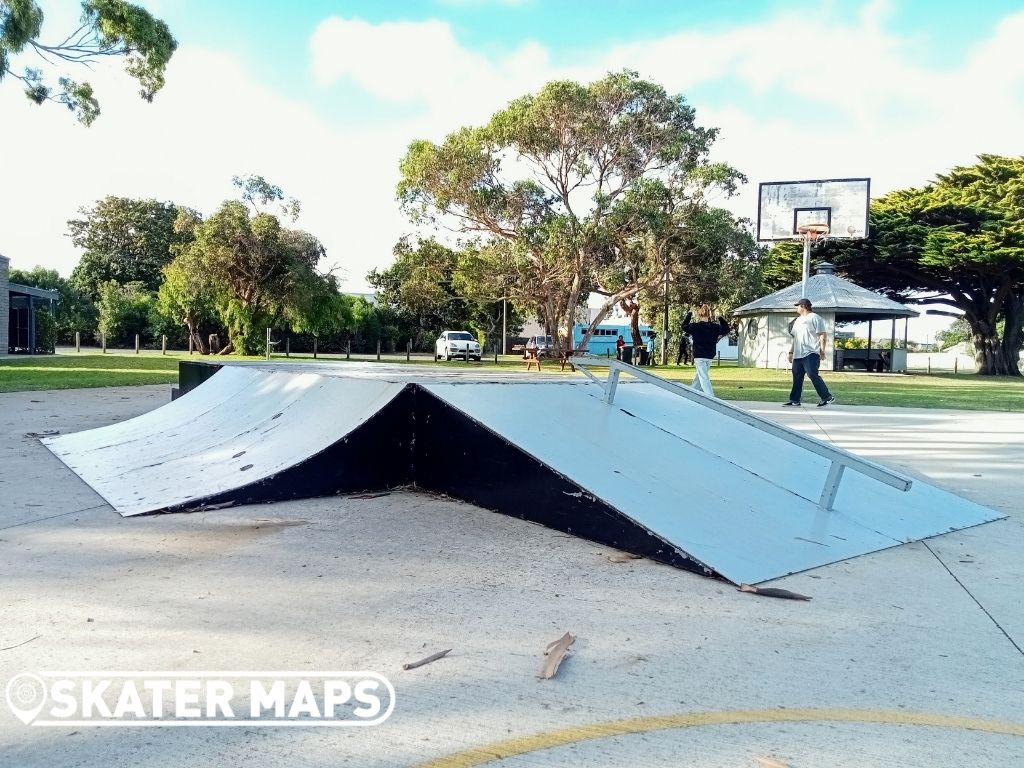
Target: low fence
[{"x": 940, "y": 362}]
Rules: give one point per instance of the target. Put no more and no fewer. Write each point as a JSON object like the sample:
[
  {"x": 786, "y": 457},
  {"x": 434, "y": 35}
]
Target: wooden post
[
  {"x": 103, "y": 342},
  {"x": 378, "y": 349},
  {"x": 314, "y": 347},
  {"x": 163, "y": 344},
  {"x": 956, "y": 362},
  {"x": 78, "y": 341},
  {"x": 137, "y": 345}
]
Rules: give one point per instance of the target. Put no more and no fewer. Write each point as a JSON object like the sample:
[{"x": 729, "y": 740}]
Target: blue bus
[{"x": 605, "y": 335}]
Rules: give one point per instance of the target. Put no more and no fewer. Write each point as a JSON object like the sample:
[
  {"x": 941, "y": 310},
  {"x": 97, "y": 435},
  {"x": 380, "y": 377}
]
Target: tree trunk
[
  {"x": 632, "y": 308},
  {"x": 1013, "y": 332},
  {"x": 197, "y": 340},
  {"x": 989, "y": 351}
]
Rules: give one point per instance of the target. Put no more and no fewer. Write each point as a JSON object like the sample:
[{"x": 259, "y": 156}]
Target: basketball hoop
[{"x": 813, "y": 232}]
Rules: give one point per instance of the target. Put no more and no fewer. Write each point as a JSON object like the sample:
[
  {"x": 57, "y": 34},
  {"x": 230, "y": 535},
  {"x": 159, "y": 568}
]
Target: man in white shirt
[{"x": 806, "y": 353}]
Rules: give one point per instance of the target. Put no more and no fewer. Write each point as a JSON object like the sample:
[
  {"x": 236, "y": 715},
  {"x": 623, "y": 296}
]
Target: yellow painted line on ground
[{"x": 560, "y": 738}]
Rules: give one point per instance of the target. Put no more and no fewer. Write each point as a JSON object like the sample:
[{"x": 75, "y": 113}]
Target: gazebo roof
[{"x": 829, "y": 292}]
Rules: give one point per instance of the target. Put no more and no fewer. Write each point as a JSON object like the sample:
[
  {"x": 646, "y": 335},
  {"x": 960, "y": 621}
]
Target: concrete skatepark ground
[{"x": 911, "y": 656}]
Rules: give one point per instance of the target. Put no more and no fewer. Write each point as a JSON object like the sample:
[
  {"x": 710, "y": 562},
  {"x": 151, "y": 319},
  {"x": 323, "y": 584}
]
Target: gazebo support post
[{"x": 892, "y": 345}]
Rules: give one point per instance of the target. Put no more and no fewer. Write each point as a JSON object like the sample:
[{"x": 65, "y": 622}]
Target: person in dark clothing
[
  {"x": 685, "y": 353},
  {"x": 705, "y": 334}
]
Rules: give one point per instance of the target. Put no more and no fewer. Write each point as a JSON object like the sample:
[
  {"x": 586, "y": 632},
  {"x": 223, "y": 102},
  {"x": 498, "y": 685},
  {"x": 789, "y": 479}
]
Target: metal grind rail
[{"x": 841, "y": 459}]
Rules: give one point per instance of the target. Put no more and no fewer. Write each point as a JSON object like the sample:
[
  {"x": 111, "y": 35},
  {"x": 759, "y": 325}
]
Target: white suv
[{"x": 456, "y": 344}]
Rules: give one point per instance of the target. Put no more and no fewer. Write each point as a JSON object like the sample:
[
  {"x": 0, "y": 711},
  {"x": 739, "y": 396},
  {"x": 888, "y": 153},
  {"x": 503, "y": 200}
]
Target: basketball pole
[{"x": 806, "y": 271}]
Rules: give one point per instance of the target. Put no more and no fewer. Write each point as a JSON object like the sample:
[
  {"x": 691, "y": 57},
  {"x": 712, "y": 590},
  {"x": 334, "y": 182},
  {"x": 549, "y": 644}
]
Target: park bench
[{"x": 868, "y": 359}]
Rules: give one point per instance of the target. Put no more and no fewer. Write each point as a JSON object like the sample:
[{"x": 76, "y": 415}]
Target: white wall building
[{"x": 764, "y": 340}]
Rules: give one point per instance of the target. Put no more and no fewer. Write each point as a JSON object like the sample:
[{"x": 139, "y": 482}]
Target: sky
[{"x": 323, "y": 99}]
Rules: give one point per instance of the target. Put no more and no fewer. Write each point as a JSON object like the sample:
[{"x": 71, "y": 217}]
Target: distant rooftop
[{"x": 28, "y": 290}]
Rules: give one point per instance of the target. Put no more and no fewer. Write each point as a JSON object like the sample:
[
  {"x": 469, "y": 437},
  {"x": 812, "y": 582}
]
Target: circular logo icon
[{"x": 26, "y": 696}]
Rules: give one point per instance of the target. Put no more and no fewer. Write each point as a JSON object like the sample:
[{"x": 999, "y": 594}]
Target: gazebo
[{"x": 764, "y": 339}]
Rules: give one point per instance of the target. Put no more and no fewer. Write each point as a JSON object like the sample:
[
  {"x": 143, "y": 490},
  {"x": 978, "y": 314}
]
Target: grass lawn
[
  {"x": 68, "y": 370},
  {"x": 914, "y": 390},
  {"x": 74, "y": 371}
]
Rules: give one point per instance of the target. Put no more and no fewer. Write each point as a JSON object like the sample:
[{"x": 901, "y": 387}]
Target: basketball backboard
[{"x": 839, "y": 204}]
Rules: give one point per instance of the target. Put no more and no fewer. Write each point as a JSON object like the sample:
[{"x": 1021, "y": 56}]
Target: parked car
[
  {"x": 456, "y": 344},
  {"x": 544, "y": 345}
]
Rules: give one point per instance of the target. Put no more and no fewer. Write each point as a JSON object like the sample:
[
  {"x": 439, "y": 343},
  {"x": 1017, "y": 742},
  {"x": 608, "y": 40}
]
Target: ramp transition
[{"x": 651, "y": 473}]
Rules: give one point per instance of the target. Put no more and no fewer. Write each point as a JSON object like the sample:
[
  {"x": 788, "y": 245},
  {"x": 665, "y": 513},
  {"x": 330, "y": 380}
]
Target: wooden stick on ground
[
  {"x": 556, "y": 652},
  {"x": 25, "y": 642},
  {"x": 430, "y": 658}
]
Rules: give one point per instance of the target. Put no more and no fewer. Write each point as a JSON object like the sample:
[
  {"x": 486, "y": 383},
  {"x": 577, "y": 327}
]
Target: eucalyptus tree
[
  {"x": 316, "y": 305},
  {"x": 431, "y": 287},
  {"x": 125, "y": 241},
  {"x": 572, "y": 189},
  {"x": 107, "y": 28},
  {"x": 253, "y": 269},
  {"x": 188, "y": 297}
]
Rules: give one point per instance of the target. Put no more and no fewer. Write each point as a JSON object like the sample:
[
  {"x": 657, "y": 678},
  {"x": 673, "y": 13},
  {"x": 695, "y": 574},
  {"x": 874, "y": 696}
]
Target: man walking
[{"x": 806, "y": 353}]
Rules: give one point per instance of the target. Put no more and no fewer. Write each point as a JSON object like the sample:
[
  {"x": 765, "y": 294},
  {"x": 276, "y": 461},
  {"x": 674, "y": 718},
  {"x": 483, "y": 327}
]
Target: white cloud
[
  {"x": 825, "y": 96},
  {"x": 423, "y": 64},
  {"x": 211, "y": 122},
  {"x": 795, "y": 96}
]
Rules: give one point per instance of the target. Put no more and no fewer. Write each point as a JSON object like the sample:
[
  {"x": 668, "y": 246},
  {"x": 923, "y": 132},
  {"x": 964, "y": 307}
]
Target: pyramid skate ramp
[
  {"x": 651, "y": 473},
  {"x": 738, "y": 500}
]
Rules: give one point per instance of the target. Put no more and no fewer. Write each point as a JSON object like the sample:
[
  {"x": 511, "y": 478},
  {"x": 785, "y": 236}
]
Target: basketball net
[{"x": 813, "y": 232}]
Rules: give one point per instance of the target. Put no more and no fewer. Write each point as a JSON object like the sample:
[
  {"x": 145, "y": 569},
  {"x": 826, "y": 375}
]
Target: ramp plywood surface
[
  {"x": 242, "y": 426},
  {"x": 737, "y": 499},
  {"x": 653, "y": 473}
]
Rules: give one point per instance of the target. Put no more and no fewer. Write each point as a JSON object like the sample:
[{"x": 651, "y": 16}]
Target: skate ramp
[
  {"x": 230, "y": 440},
  {"x": 651, "y": 473},
  {"x": 740, "y": 501}
]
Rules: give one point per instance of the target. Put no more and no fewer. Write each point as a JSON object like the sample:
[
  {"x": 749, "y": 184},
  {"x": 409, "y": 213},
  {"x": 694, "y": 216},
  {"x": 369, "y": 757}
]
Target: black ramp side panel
[
  {"x": 458, "y": 456},
  {"x": 376, "y": 455},
  {"x": 192, "y": 373}
]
